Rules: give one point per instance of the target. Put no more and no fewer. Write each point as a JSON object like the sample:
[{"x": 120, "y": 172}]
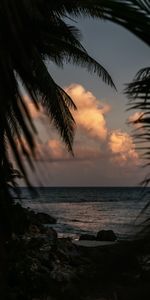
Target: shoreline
[{"x": 43, "y": 266}]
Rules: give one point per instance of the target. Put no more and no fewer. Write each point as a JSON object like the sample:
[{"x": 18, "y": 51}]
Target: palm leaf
[
  {"x": 138, "y": 92},
  {"x": 132, "y": 14}
]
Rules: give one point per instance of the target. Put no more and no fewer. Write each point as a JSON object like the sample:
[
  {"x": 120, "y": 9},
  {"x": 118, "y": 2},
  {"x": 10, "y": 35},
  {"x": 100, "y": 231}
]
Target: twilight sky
[{"x": 104, "y": 150}]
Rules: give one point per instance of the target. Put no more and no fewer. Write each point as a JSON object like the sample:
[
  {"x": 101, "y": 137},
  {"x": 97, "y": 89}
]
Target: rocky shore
[{"x": 43, "y": 267}]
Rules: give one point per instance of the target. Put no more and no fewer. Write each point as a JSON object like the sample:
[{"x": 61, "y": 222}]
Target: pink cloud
[
  {"x": 90, "y": 114},
  {"x": 93, "y": 139},
  {"x": 122, "y": 146},
  {"x": 97, "y": 150}
]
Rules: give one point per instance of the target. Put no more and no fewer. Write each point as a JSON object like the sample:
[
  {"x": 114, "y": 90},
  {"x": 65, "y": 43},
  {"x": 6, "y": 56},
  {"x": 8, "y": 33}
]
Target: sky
[{"x": 104, "y": 150}]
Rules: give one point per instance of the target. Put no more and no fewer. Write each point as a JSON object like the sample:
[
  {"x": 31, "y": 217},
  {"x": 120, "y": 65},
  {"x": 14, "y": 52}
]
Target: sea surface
[{"x": 80, "y": 210}]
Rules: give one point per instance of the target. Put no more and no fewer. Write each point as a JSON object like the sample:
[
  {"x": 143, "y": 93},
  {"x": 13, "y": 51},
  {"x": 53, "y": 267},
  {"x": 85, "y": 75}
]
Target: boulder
[
  {"x": 51, "y": 233},
  {"x": 106, "y": 235},
  {"x": 45, "y": 218},
  {"x": 67, "y": 252},
  {"x": 33, "y": 230},
  {"x": 88, "y": 237}
]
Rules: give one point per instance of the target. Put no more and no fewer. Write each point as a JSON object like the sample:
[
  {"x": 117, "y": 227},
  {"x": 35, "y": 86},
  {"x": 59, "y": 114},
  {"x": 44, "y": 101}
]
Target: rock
[
  {"x": 88, "y": 237},
  {"x": 106, "y": 235},
  {"x": 35, "y": 243},
  {"x": 51, "y": 233},
  {"x": 67, "y": 251},
  {"x": 24, "y": 220},
  {"x": 45, "y": 218},
  {"x": 19, "y": 219},
  {"x": 34, "y": 230}
]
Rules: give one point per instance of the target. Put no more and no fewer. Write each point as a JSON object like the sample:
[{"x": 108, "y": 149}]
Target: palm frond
[
  {"x": 131, "y": 14},
  {"x": 138, "y": 92}
]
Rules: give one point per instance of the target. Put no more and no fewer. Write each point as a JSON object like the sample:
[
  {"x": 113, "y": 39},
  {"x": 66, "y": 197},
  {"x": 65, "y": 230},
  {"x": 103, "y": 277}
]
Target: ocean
[{"x": 80, "y": 210}]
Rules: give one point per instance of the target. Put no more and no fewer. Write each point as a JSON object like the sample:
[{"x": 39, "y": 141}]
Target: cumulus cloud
[
  {"x": 122, "y": 146},
  {"x": 90, "y": 114},
  {"x": 95, "y": 146},
  {"x": 93, "y": 139},
  {"x": 91, "y": 131}
]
